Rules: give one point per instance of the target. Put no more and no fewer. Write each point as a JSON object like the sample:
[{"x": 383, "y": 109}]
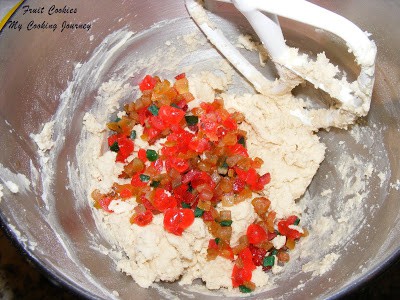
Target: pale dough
[{"x": 291, "y": 153}]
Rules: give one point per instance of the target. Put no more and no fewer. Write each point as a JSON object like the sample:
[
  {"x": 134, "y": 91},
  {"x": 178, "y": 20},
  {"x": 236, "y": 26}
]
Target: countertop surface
[{"x": 21, "y": 280}]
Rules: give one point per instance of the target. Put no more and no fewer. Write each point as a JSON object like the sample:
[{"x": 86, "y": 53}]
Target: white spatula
[{"x": 354, "y": 97}]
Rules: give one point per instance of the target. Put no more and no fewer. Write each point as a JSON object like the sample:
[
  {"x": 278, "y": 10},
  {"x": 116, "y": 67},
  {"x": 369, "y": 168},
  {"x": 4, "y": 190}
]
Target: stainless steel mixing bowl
[{"x": 35, "y": 68}]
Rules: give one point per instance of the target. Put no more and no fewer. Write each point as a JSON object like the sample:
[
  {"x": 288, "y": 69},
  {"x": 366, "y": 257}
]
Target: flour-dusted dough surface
[{"x": 290, "y": 150}]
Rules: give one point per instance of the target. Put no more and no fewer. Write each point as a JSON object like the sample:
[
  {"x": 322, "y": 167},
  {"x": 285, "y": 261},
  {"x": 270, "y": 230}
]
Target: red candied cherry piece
[
  {"x": 256, "y": 234},
  {"x": 240, "y": 275},
  {"x": 178, "y": 164},
  {"x": 212, "y": 244},
  {"x": 202, "y": 178},
  {"x": 176, "y": 220},
  {"x": 152, "y": 133},
  {"x": 230, "y": 124},
  {"x": 258, "y": 255},
  {"x": 157, "y": 123},
  {"x": 126, "y": 147},
  {"x": 291, "y": 219},
  {"x": 207, "y": 216},
  {"x": 105, "y": 202},
  {"x": 247, "y": 259},
  {"x": 293, "y": 234},
  {"x": 265, "y": 179},
  {"x": 170, "y": 115},
  {"x": 148, "y": 83},
  {"x": 142, "y": 219},
  {"x": 113, "y": 138},
  {"x": 283, "y": 227},
  {"x": 158, "y": 165},
  {"x": 238, "y": 185},
  {"x": 142, "y": 155},
  {"x": 180, "y": 76},
  {"x": 163, "y": 200},
  {"x": 126, "y": 193},
  {"x": 136, "y": 181},
  {"x": 199, "y": 145},
  {"x": 237, "y": 149}
]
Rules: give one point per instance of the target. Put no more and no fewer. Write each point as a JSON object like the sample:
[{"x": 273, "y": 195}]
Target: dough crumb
[
  {"x": 327, "y": 192},
  {"x": 321, "y": 267},
  {"x": 395, "y": 185},
  {"x": 246, "y": 42},
  {"x": 12, "y": 187},
  {"x": 259, "y": 277},
  {"x": 193, "y": 40},
  {"x": 91, "y": 124},
  {"x": 44, "y": 138},
  {"x": 382, "y": 176}
]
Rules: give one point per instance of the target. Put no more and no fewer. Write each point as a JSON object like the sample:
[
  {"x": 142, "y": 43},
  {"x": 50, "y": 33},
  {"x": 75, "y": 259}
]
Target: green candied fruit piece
[
  {"x": 114, "y": 147},
  {"x": 154, "y": 183},
  {"x": 242, "y": 141},
  {"x": 151, "y": 155},
  {"x": 144, "y": 178},
  {"x": 174, "y": 105},
  {"x": 198, "y": 212},
  {"x": 192, "y": 120},
  {"x": 244, "y": 289},
  {"x": 269, "y": 261},
  {"x": 226, "y": 223},
  {"x": 153, "y": 109}
]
